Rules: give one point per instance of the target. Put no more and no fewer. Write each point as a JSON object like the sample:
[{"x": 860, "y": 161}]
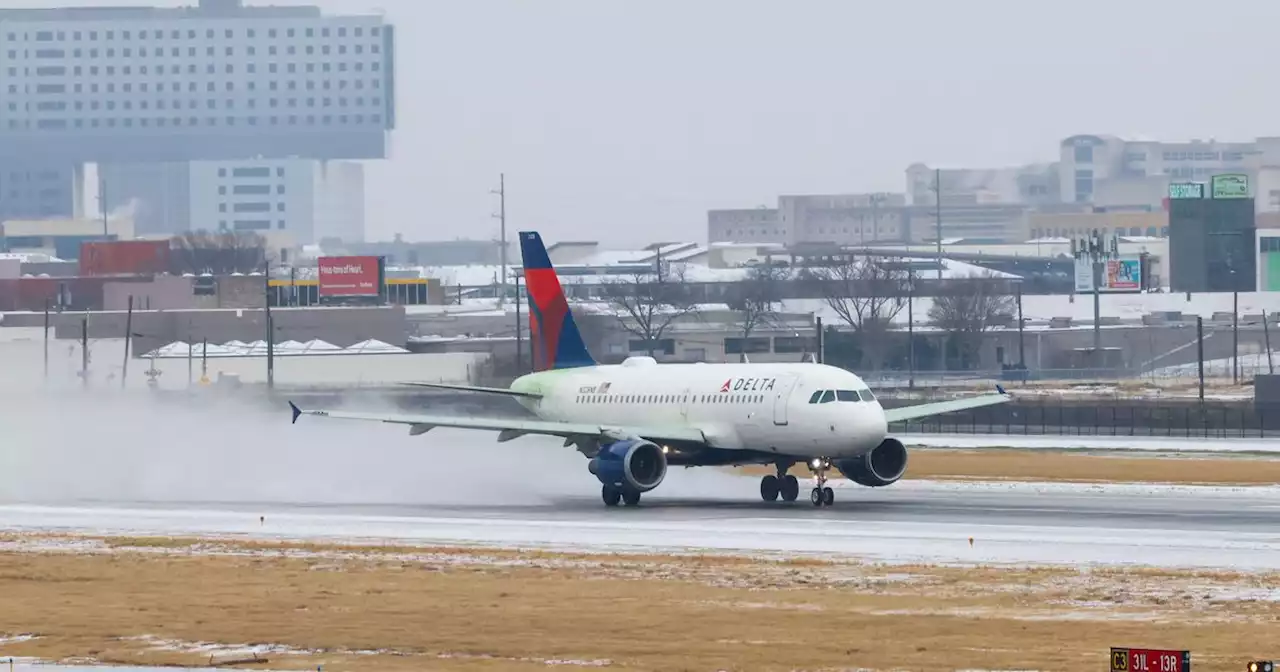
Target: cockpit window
[
  {"x": 828, "y": 396},
  {"x": 846, "y": 395},
  {"x": 816, "y": 396},
  {"x": 866, "y": 395}
]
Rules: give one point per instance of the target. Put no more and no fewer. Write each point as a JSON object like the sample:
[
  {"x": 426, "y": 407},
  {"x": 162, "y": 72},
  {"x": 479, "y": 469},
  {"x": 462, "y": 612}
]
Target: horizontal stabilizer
[{"x": 477, "y": 388}]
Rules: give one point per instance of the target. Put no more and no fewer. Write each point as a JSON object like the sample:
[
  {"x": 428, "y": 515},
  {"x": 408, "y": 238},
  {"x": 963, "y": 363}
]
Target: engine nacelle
[
  {"x": 882, "y": 466},
  {"x": 634, "y": 463}
]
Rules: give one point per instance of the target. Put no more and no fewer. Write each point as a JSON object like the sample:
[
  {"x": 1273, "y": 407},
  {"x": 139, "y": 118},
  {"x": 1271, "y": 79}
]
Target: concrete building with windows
[
  {"x": 1111, "y": 172},
  {"x": 1032, "y": 184},
  {"x": 863, "y": 219},
  {"x": 150, "y": 93}
]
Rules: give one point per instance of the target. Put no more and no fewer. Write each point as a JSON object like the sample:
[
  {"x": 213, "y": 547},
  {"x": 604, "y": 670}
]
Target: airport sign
[{"x": 1149, "y": 660}]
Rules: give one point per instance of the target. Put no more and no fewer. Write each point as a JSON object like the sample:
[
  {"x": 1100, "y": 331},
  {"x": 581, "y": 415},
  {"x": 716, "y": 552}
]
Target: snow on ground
[{"x": 1117, "y": 443}]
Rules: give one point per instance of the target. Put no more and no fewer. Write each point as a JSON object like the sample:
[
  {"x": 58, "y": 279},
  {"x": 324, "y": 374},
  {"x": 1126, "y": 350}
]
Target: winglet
[
  {"x": 297, "y": 412},
  {"x": 1000, "y": 389}
]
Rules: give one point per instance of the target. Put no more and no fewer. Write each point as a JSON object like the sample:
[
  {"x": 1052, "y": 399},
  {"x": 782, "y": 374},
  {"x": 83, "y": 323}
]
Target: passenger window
[
  {"x": 846, "y": 395},
  {"x": 866, "y": 395},
  {"x": 828, "y": 396},
  {"x": 816, "y": 397}
]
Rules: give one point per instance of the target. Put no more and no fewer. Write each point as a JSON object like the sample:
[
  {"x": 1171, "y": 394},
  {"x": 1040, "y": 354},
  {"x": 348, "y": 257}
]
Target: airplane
[{"x": 635, "y": 419}]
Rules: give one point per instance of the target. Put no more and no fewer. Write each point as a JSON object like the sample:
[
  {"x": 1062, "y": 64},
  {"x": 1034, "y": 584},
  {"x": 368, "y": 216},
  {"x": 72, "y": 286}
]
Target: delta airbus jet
[{"x": 635, "y": 419}]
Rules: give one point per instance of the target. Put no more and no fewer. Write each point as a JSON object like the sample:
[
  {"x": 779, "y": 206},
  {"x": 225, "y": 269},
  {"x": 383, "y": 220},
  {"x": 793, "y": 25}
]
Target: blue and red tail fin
[{"x": 557, "y": 342}]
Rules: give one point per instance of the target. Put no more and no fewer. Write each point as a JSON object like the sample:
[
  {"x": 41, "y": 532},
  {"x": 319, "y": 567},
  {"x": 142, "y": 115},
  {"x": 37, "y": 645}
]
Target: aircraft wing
[
  {"x": 939, "y": 407},
  {"x": 475, "y": 388},
  {"x": 514, "y": 428}
]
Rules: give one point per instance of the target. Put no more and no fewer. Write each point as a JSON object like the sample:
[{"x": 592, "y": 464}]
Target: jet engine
[
  {"x": 882, "y": 466},
  {"x": 632, "y": 463}
]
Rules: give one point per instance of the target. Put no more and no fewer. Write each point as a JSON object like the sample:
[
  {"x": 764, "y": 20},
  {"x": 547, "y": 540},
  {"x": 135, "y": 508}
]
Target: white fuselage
[{"x": 761, "y": 407}]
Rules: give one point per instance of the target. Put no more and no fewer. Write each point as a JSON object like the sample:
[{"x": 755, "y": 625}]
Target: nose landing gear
[{"x": 821, "y": 495}]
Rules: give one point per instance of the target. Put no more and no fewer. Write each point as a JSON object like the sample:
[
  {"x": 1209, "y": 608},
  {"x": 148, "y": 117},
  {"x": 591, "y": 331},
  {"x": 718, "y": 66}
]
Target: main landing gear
[
  {"x": 784, "y": 485},
  {"x": 611, "y": 494},
  {"x": 821, "y": 495}
]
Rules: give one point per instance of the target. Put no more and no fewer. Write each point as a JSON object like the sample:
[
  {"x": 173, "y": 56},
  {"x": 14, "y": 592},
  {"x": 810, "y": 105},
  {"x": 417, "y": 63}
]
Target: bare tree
[
  {"x": 221, "y": 253},
  {"x": 967, "y": 308},
  {"x": 866, "y": 293},
  {"x": 757, "y": 296},
  {"x": 648, "y": 303}
]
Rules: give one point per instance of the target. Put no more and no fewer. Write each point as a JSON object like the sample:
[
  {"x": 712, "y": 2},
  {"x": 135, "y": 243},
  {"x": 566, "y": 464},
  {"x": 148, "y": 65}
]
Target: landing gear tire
[
  {"x": 828, "y": 496},
  {"x": 769, "y": 488},
  {"x": 630, "y": 497},
  {"x": 611, "y": 495},
  {"x": 816, "y": 497},
  {"x": 789, "y": 487}
]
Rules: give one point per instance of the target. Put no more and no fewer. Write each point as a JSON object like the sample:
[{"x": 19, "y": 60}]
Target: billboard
[
  {"x": 1186, "y": 190},
  {"x": 1118, "y": 275},
  {"x": 350, "y": 276},
  {"x": 1229, "y": 186},
  {"x": 124, "y": 257}
]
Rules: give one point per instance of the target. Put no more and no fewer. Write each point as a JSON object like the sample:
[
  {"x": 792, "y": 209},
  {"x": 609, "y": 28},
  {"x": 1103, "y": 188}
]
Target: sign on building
[
  {"x": 1234, "y": 185},
  {"x": 1181, "y": 190}
]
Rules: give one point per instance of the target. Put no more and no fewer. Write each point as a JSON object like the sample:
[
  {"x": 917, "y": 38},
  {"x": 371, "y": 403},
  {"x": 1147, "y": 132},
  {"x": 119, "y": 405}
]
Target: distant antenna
[{"x": 502, "y": 218}]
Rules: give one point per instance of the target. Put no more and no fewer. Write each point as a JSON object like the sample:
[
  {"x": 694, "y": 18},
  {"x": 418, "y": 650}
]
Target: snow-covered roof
[{"x": 259, "y": 349}]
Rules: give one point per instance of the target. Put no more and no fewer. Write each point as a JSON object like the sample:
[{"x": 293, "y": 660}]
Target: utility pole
[
  {"x": 911, "y": 326},
  {"x": 1022, "y": 351},
  {"x": 102, "y": 200},
  {"x": 822, "y": 338},
  {"x": 502, "y": 235},
  {"x": 84, "y": 351},
  {"x": 519, "y": 336},
  {"x": 1200, "y": 353},
  {"x": 1266, "y": 340},
  {"x": 271, "y": 350},
  {"x": 46, "y": 340},
  {"x": 1235, "y": 334},
  {"x": 937, "y": 214},
  {"x": 128, "y": 339}
]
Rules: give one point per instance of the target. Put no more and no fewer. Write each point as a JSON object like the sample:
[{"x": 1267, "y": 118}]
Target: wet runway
[{"x": 908, "y": 522}]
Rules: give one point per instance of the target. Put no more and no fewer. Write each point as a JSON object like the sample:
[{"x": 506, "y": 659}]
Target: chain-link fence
[{"x": 1109, "y": 417}]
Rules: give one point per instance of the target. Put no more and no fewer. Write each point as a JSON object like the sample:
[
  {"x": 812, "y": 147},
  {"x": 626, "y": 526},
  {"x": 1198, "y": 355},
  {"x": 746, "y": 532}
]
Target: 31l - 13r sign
[
  {"x": 350, "y": 276},
  {"x": 1149, "y": 660}
]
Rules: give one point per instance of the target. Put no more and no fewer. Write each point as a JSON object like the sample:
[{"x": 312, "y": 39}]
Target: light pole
[
  {"x": 911, "y": 326},
  {"x": 876, "y": 200},
  {"x": 1096, "y": 251}
]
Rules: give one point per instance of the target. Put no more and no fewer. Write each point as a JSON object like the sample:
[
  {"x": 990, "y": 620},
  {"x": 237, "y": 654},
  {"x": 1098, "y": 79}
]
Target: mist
[{"x": 74, "y": 446}]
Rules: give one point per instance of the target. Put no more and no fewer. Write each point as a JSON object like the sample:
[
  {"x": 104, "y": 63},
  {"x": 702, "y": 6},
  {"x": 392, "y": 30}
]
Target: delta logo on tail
[
  {"x": 748, "y": 384},
  {"x": 557, "y": 342}
]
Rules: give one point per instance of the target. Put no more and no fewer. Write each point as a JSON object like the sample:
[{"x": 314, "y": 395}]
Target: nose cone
[
  {"x": 867, "y": 424},
  {"x": 882, "y": 423}
]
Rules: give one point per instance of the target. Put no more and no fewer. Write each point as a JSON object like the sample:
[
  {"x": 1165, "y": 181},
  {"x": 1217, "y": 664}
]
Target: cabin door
[{"x": 782, "y": 395}]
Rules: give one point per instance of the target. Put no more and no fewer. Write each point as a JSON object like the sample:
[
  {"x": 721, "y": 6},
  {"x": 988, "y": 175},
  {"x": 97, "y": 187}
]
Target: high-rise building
[{"x": 142, "y": 91}]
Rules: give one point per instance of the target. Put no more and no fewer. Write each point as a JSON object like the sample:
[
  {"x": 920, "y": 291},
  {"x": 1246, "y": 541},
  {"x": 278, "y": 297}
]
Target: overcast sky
[{"x": 625, "y": 120}]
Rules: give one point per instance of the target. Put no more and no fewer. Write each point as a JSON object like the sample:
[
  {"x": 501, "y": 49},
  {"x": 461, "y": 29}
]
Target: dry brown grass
[
  {"x": 467, "y": 609},
  {"x": 1034, "y": 465}
]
